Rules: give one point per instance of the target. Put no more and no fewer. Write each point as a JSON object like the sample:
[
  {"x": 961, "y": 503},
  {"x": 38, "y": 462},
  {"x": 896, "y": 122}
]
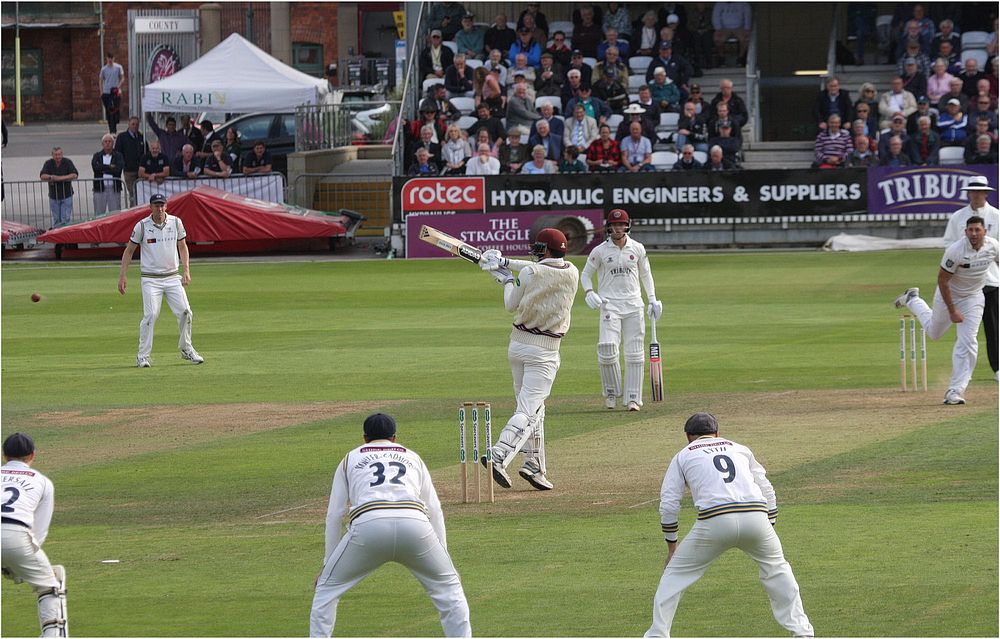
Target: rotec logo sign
[{"x": 444, "y": 194}]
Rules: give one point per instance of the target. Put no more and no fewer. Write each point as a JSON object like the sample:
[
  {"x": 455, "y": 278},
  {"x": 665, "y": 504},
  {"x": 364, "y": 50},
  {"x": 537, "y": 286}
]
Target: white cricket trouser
[
  {"x": 753, "y": 534},
  {"x": 533, "y": 370},
  {"x": 936, "y": 322},
  {"x": 27, "y": 562},
  {"x": 629, "y": 329},
  {"x": 369, "y": 544},
  {"x": 153, "y": 291}
]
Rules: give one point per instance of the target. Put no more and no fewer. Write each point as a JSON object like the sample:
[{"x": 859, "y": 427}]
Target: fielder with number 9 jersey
[
  {"x": 736, "y": 509},
  {"x": 385, "y": 491}
]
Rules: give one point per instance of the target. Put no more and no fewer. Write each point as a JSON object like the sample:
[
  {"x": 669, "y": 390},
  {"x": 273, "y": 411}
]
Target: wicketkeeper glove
[
  {"x": 655, "y": 309},
  {"x": 594, "y": 300}
]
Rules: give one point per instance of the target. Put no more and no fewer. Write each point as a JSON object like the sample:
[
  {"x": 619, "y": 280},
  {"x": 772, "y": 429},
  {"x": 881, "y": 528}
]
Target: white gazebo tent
[{"x": 235, "y": 77}]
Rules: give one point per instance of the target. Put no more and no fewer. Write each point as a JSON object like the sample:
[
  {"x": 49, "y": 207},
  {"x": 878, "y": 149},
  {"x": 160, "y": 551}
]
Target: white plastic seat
[
  {"x": 668, "y": 121},
  {"x": 664, "y": 160},
  {"x": 635, "y": 81},
  {"x": 556, "y": 104},
  {"x": 614, "y": 121},
  {"x": 561, "y": 25},
  {"x": 639, "y": 63},
  {"x": 951, "y": 155},
  {"x": 591, "y": 61},
  {"x": 465, "y": 122},
  {"x": 975, "y": 40},
  {"x": 463, "y": 104},
  {"x": 982, "y": 58},
  {"x": 473, "y": 63},
  {"x": 701, "y": 156},
  {"x": 451, "y": 44}
]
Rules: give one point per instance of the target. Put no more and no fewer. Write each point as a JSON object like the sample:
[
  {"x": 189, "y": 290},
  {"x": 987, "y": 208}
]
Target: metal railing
[
  {"x": 28, "y": 202},
  {"x": 369, "y": 195},
  {"x": 410, "y": 99},
  {"x": 354, "y": 72},
  {"x": 753, "y": 84},
  {"x": 328, "y": 126},
  {"x": 831, "y": 51}
]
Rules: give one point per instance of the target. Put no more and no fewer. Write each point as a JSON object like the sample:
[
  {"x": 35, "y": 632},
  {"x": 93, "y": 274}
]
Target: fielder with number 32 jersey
[{"x": 394, "y": 514}]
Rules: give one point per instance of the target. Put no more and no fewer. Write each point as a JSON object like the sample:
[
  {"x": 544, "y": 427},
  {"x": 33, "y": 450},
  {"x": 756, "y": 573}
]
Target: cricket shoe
[
  {"x": 633, "y": 407},
  {"x": 610, "y": 402},
  {"x": 141, "y": 362},
  {"x": 953, "y": 397},
  {"x": 532, "y": 474},
  {"x": 907, "y": 295},
  {"x": 500, "y": 475},
  {"x": 192, "y": 355}
]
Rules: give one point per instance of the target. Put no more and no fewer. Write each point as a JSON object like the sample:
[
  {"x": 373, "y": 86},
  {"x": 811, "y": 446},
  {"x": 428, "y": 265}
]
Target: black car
[{"x": 276, "y": 130}]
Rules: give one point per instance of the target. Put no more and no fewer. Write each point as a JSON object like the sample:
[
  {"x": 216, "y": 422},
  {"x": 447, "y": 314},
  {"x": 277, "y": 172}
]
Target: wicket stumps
[
  {"x": 903, "y": 319},
  {"x": 473, "y": 410}
]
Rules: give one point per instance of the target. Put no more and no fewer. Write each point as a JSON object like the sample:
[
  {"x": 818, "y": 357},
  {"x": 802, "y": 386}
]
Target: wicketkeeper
[
  {"x": 621, "y": 264},
  {"x": 28, "y": 502},
  {"x": 541, "y": 298}
]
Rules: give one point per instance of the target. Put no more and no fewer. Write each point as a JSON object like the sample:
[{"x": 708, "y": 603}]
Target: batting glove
[
  {"x": 594, "y": 300},
  {"x": 655, "y": 309},
  {"x": 492, "y": 259},
  {"x": 503, "y": 275}
]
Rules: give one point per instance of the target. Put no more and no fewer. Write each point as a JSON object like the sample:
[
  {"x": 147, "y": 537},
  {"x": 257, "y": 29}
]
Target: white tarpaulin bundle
[
  {"x": 234, "y": 77},
  {"x": 845, "y": 242}
]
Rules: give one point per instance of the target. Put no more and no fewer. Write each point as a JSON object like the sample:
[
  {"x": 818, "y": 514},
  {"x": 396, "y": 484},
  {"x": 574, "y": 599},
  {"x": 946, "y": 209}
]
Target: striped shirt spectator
[{"x": 833, "y": 145}]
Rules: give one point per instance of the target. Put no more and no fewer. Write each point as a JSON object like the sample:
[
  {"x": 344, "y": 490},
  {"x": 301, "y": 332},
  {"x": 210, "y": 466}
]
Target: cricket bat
[
  {"x": 655, "y": 366},
  {"x": 453, "y": 245}
]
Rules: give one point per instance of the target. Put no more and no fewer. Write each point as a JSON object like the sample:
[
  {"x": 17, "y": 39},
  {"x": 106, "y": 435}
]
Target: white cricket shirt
[
  {"x": 158, "y": 245},
  {"x": 969, "y": 267},
  {"x": 723, "y": 477},
  {"x": 956, "y": 231},
  {"x": 381, "y": 479},
  {"x": 27, "y": 497},
  {"x": 619, "y": 273}
]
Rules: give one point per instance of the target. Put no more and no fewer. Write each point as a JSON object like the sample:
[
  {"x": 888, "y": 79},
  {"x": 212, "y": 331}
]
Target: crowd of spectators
[{"x": 582, "y": 99}]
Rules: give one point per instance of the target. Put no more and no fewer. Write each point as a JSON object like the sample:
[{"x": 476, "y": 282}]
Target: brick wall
[{"x": 316, "y": 23}]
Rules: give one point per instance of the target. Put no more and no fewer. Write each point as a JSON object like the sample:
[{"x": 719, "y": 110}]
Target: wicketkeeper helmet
[{"x": 617, "y": 216}]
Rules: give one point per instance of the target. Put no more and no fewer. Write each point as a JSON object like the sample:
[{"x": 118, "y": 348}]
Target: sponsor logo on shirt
[{"x": 150, "y": 240}]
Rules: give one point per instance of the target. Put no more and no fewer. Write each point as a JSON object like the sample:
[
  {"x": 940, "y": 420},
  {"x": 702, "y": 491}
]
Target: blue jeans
[
  {"x": 680, "y": 140},
  {"x": 62, "y": 211}
]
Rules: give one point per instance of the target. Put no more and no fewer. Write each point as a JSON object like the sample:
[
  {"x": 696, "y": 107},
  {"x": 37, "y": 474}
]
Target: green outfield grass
[{"x": 209, "y": 483}]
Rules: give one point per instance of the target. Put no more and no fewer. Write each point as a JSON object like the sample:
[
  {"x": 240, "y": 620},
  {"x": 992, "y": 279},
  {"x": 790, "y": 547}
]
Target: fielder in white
[
  {"x": 162, "y": 237},
  {"x": 958, "y": 300},
  {"x": 395, "y": 516},
  {"x": 736, "y": 509},
  {"x": 621, "y": 264},
  {"x": 28, "y": 501},
  {"x": 978, "y": 189},
  {"x": 541, "y": 296}
]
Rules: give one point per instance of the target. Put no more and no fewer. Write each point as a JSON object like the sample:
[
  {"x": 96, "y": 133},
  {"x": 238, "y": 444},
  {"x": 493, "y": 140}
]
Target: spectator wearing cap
[
  {"x": 952, "y": 124},
  {"x": 486, "y": 120},
  {"x": 603, "y": 154},
  {"x": 981, "y": 107},
  {"x": 897, "y": 128},
  {"x": 938, "y": 83},
  {"x": 732, "y": 19},
  {"x": 588, "y": 33},
  {"x": 701, "y": 106},
  {"x": 983, "y": 150},
  {"x": 738, "y": 112},
  {"x": 546, "y": 136},
  {"x": 922, "y": 147},
  {"x": 913, "y": 81},
  {"x": 547, "y": 110},
  {"x": 686, "y": 161},
  {"x": 635, "y": 113},
  {"x": 471, "y": 38},
  {"x": 913, "y": 50},
  {"x": 571, "y": 162},
  {"x": 455, "y": 152},
  {"x": 559, "y": 50},
  {"x": 636, "y": 150},
  {"x": 946, "y": 34},
  {"x": 648, "y": 35},
  {"x": 664, "y": 92},
  {"x": 539, "y": 164},
  {"x": 549, "y": 79},
  {"x": 536, "y": 20},
  {"x": 437, "y": 97},
  {"x": 862, "y": 154},
  {"x": 520, "y": 109},
  {"x": 894, "y": 154},
  {"x": 594, "y": 107},
  {"x": 954, "y": 91},
  {"x": 446, "y": 17},
  {"x": 495, "y": 61},
  {"x": 483, "y": 163},
  {"x": 580, "y": 128},
  {"x": 677, "y": 68},
  {"x": 459, "y": 78},
  {"x": 717, "y": 160},
  {"x": 692, "y": 129},
  {"x": 730, "y": 144},
  {"x": 610, "y": 81},
  {"x": 831, "y": 101},
  {"x": 576, "y": 62},
  {"x": 896, "y": 100},
  {"x": 611, "y": 40},
  {"x": 526, "y": 44},
  {"x": 923, "y": 109},
  {"x": 513, "y": 153},
  {"x": 499, "y": 36},
  {"x": 970, "y": 76},
  {"x": 435, "y": 57}
]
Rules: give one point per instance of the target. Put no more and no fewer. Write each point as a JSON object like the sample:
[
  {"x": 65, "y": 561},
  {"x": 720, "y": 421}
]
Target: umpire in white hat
[{"x": 978, "y": 190}]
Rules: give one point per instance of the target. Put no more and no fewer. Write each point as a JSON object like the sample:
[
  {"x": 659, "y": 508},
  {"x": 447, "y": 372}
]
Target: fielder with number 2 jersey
[
  {"x": 736, "y": 509},
  {"x": 394, "y": 514}
]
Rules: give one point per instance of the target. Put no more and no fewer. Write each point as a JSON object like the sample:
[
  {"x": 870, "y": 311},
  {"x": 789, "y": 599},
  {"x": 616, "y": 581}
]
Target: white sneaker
[
  {"x": 953, "y": 397},
  {"x": 500, "y": 475},
  {"x": 142, "y": 362},
  {"x": 533, "y": 474},
  {"x": 610, "y": 402},
  {"x": 633, "y": 407},
  {"x": 907, "y": 295},
  {"x": 193, "y": 356}
]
